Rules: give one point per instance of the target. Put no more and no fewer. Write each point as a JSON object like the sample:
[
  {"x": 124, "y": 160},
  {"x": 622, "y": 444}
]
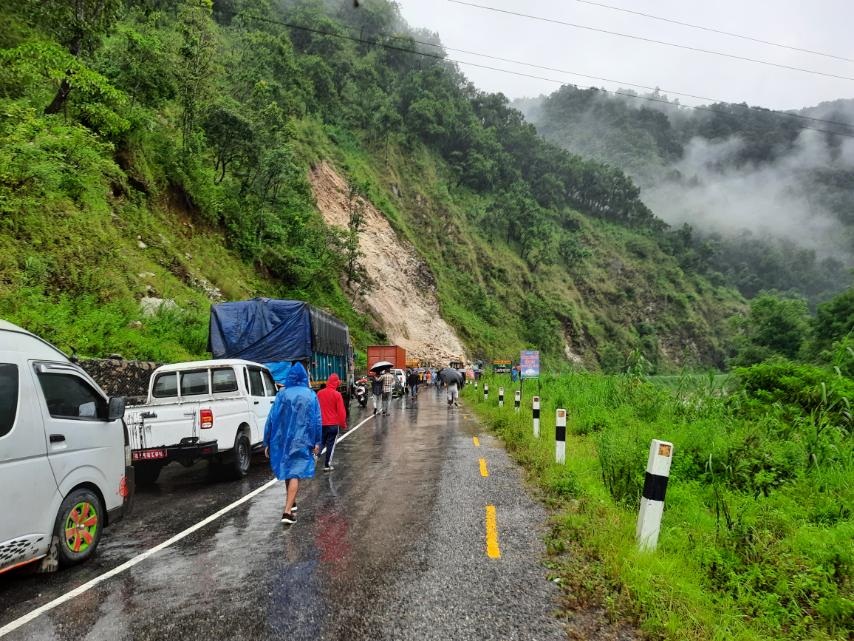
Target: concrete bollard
[
  {"x": 536, "y": 410},
  {"x": 500, "y": 397},
  {"x": 475, "y": 384},
  {"x": 654, "y": 488},
  {"x": 560, "y": 436},
  {"x": 517, "y": 400},
  {"x": 485, "y": 392}
]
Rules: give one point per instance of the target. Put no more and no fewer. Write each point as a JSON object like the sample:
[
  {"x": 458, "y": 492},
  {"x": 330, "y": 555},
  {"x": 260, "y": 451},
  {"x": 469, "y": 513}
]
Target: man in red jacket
[{"x": 334, "y": 417}]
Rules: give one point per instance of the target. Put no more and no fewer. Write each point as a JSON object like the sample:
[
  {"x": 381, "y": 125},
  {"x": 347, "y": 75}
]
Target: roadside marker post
[
  {"x": 654, "y": 489},
  {"x": 485, "y": 392},
  {"x": 500, "y": 397},
  {"x": 536, "y": 411},
  {"x": 517, "y": 399},
  {"x": 560, "y": 436}
]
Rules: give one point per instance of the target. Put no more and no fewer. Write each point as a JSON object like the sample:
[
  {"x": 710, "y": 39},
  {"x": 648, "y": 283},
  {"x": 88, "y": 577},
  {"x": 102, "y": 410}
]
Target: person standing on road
[
  {"x": 293, "y": 429},
  {"x": 333, "y": 417},
  {"x": 388, "y": 382},
  {"x": 376, "y": 390},
  {"x": 414, "y": 381}
]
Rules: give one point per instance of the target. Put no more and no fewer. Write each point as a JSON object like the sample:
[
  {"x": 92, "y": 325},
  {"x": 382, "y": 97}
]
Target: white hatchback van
[{"x": 65, "y": 470}]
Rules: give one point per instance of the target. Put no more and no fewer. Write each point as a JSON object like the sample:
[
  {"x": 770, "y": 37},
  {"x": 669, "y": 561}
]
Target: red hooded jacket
[{"x": 332, "y": 408}]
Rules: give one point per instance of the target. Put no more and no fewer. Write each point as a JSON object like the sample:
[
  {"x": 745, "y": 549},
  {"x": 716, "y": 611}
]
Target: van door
[
  {"x": 259, "y": 402},
  {"x": 83, "y": 446},
  {"x": 28, "y": 491}
]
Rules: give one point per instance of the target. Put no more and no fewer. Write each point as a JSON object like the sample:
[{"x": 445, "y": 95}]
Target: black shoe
[
  {"x": 328, "y": 468},
  {"x": 290, "y": 519},
  {"x": 375, "y": 411},
  {"x": 294, "y": 508}
]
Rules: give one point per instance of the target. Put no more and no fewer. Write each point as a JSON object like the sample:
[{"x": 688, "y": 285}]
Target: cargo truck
[
  {"x": 394, "y": 354},
  {"x": 278, "y": 333}
]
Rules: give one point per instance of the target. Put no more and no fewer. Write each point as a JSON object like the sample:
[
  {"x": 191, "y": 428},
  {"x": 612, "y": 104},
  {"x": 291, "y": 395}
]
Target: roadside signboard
[
  {"x": 529, "y": 363},
  {"x": 501, "y": 366}
]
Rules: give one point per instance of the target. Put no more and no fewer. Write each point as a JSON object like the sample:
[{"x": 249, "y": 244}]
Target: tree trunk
[{"x": 61, "y": 96}]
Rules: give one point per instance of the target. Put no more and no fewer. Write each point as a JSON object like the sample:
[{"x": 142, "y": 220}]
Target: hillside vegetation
[
  {"x": 765, "y": 197},
  {"x": 160, "y": 148}
]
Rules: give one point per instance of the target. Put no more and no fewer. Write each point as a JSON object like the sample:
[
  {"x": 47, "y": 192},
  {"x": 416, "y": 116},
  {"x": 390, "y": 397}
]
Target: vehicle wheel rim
[
  {"x": 81, "y": 527},
  {"x": 244, "y": 456}
]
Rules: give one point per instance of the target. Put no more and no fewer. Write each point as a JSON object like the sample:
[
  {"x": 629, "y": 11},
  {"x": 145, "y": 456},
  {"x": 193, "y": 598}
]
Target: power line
[
  {"x": 713, "y": 30},
  {"x": 628, "y": 84},
  {"x": 442, "y": 58},
  {"x": 654, "y": 41}
]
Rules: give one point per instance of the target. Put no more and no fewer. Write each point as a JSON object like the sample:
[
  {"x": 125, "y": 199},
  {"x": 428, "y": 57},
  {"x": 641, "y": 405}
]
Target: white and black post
[
  {"x": 485, "y": 392},
  {"x": 517, "y": 398},
  {"x": 654, "y": 488},
  {"x": 500, "y": 397},
  {"x": 560, "y": 436},
  {"x": 536, "y": 410}
]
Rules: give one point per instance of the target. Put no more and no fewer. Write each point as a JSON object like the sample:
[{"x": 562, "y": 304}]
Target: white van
[
  {"x": 214, "y": 410},
  {"x": 65, "y": 469}
]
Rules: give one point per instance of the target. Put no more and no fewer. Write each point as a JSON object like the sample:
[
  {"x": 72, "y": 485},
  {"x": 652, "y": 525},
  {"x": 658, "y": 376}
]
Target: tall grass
[{"x": 757, "y": 539}]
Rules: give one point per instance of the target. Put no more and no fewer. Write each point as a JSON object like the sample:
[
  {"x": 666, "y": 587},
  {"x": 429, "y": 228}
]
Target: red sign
[{"x": 149, "y": 455}]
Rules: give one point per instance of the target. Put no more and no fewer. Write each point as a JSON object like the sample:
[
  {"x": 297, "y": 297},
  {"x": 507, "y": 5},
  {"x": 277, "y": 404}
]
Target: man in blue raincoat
[{"x": 293, "y": 430}]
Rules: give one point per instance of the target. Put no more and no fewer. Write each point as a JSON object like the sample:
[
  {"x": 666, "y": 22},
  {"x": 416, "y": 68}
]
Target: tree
[{"x": 775, "y": 326}]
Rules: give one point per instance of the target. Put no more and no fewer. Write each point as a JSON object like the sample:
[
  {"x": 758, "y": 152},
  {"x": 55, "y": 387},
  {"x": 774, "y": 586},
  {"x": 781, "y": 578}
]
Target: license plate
[{"x": 149, "y": 455}]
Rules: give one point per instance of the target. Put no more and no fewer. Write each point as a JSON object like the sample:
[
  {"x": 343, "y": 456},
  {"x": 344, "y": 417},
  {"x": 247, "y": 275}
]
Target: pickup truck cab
[
  {"x": 214, "y": 410},
  {"x": 65, "y": 470}
]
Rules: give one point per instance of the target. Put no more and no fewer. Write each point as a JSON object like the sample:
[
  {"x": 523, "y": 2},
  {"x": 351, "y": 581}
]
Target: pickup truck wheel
[
  {"x": 78, "y": 526},
  {"x": 147, "y": 473},
  {"x": 242, "y": 456}
]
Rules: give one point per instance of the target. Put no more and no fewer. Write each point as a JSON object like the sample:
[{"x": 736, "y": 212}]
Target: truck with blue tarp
[{"x": 279, "y": 333}]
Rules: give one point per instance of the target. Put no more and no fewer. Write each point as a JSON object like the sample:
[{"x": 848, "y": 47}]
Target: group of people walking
[{"x": 300, "y": 425}]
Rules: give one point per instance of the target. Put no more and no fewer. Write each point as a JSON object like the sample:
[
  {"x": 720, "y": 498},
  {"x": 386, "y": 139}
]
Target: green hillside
[{"x": 159, "y": 149}]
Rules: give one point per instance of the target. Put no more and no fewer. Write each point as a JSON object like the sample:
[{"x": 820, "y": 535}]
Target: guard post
[
  {"x": 560, "y": 436},
  {"x": 516, "y": 400},
  {"x": 485, "y": 392},
  {"x": 536, "y": 410},
  {"x": 500, "y": 397},
  {"x": 654, "y": 489}
]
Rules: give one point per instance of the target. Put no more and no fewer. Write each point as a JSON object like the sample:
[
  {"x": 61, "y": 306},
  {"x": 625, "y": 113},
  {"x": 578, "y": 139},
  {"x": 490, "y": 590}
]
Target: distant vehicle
[
  {"x": 394, "y": 354},
  {"x": 400, "y": 384},
  {"x": 360, "y": 391},
  {"x": 65, "y": 470},
  {"x": 277, "y": 333},
  {"x": 214, "y": 410}
]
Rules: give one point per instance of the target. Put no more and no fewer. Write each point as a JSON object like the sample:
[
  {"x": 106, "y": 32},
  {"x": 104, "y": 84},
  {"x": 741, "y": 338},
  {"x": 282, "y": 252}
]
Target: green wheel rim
[{"x": 81, "y": 527}]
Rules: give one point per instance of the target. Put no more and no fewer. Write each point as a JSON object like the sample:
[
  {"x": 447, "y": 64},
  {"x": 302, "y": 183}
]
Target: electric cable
[
  {"x": 714, "y": 30},
  {"x": 654, "y": 41}
]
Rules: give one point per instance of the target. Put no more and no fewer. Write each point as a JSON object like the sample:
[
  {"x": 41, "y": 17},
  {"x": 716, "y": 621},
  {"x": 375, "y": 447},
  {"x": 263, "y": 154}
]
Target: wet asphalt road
[{"x": 390, "y": 545}]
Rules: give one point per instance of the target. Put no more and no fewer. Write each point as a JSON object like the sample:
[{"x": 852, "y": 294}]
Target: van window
[
  {"x": 269, "y": 383},
  {"x": 165, "y": 385},
  {"x": 256, "y": 385},
  {"x": 224, "y": 380},
  {"x": 69, "y": 396},
  {"x": 8, "y": 396},
  {"x": 194, "y": 382}
]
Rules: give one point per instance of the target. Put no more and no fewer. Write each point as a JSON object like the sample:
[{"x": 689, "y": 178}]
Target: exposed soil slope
[{"x": 403, "y": 294}]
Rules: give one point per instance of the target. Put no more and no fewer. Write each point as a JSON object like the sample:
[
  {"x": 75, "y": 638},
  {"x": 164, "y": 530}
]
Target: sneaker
[
  {"x": 328, "y": 468},
  {"x": 294, "y": 508},
  {"x": 289, "y": 518}
]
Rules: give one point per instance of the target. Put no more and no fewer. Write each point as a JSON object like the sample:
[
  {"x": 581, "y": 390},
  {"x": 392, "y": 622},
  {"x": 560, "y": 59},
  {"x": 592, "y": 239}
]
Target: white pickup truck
[{"x": 213, "y": 410}]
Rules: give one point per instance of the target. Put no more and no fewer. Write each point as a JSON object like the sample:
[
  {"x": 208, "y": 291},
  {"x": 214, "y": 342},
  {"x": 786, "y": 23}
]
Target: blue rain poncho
[{"x": 293, "y": 427}]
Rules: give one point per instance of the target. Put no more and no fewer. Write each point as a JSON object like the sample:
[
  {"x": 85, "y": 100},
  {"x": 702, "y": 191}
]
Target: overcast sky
[{"x": 821, "y": 25}]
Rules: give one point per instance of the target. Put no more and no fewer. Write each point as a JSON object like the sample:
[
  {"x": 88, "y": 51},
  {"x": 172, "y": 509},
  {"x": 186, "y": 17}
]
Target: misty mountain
[{"x": 762, "y": 191}]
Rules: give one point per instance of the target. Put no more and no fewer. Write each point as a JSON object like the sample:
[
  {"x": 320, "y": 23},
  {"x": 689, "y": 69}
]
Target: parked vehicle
[
  {"x": 394, "y": 354},
  {"x": 280, "y": 332},
  {"x": 360, "y": 391},
  {"x": 400, "y": 386},
  {"x": 214, "y": 410},
  {"x": 65, "y": 470}
]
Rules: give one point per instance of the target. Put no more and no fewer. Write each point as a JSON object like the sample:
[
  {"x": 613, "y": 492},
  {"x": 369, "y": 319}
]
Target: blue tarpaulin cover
[{"x": 263, "y": 330}]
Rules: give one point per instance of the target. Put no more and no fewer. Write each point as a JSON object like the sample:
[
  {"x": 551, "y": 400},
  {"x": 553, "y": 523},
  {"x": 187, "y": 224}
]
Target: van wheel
[
  {"x": 78, "y": 526},
  {"x": 242, "y": 456},
  {"x": 147, "y": 473}
]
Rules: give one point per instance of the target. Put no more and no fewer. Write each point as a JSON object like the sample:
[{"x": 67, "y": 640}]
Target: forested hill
[
  {"x": 769, "y": 196},
  {"x": 160, "y": 149}
]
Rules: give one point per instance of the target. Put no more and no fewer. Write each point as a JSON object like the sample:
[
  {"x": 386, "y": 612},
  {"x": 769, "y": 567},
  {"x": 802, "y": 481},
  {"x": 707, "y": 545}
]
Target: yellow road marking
[
  {"x": 483, "y": 471},
  {"x": 476, "y": 441},
  {"x": 492, "y": 550}
]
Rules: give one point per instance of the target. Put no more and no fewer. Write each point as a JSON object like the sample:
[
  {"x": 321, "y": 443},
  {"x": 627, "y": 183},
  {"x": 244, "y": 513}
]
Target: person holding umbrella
[
  {"x": 452, "y": 379},
  {"x": 385, "y": 381}
]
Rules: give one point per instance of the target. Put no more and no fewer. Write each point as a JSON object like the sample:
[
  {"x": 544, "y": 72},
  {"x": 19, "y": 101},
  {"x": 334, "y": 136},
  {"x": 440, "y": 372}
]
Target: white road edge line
[{"x": 68, "y": 596}]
